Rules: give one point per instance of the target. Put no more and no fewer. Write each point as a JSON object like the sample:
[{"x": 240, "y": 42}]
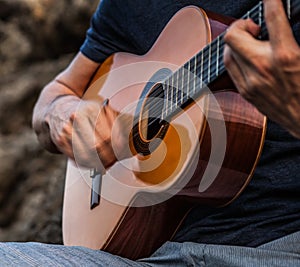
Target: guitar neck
[{"x": 191, "y": 80}]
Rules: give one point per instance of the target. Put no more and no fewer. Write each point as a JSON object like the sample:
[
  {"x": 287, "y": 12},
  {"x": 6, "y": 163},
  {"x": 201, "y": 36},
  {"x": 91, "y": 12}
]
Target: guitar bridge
[{"x": 96, "y": 188}]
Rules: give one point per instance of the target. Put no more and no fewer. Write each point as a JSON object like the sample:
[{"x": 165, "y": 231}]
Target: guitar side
[{"x": 121, "y": 224}]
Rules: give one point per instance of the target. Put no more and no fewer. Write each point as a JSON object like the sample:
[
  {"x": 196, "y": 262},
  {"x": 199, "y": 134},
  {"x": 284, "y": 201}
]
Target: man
[{"x": 260, "y": 228}]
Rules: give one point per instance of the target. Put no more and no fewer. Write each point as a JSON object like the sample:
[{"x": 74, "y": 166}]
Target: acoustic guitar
[{"x": 193, "y": 139}]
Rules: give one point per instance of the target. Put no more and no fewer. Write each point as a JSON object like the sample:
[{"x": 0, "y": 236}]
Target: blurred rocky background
[{"x": 38, "y": 38}]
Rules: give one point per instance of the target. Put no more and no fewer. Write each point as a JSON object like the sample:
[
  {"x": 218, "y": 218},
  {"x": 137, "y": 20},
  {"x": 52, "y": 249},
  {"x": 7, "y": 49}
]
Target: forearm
[
  {"x": 58, "y": 102},
  {"x": 55, "y": 98}
]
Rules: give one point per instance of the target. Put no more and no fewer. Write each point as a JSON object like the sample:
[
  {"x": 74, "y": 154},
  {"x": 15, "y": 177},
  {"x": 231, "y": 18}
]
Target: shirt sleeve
[
  {"x": 126, "y": 26},
  {"x": 108, "y": 32}
]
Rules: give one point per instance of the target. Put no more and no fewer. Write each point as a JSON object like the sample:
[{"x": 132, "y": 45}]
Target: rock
[
  {"x": 37, "y": 40},
  {"x": 20, "y": 90},
  {"x": 37, "y": 30},
  {"x": 31, "y": 180},
  {"x": 31, "y": 190}
]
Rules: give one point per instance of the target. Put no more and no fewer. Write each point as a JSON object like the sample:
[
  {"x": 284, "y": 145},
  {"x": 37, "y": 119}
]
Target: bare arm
[
  {"x": 79, "y": 128},
  {"x": 267, "y": 73},
  {"x": 58, "y": 101}
]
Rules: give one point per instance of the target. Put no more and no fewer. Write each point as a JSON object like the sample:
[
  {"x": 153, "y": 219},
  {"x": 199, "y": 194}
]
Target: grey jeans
[{"x": 281, "y": 252}]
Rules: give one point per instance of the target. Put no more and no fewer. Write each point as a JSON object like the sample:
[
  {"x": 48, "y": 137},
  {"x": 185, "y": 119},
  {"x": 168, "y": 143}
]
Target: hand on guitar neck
[{"x": 267, "y": 73}]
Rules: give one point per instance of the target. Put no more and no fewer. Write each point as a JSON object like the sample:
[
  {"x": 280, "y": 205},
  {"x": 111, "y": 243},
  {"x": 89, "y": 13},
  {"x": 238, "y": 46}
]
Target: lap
[
  {"x": 38, "y": 254},
  {"x": 281, "y": 252}
]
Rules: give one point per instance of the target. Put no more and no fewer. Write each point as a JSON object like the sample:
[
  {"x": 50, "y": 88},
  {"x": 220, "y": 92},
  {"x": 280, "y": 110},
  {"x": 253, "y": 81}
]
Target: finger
[
  {"x": 278, "y": 26},
  {"x": 110, "y": 115},
  {"x": 103, "y": 129},
  {"x": 247, "y": 27},
  {"x": 234, "y": 70},
  {"x": 84, "y": 153},
  {"x": 240, "y": 33},
  {"x": 107, "y": 156}
]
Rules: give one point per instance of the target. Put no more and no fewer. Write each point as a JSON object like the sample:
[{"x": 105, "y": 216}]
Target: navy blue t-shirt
[{"x": 269, "y": 207}]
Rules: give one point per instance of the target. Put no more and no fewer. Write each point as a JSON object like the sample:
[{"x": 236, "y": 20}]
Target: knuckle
[
  {"x": 264, "y": 67},
  {"x": 229, "y": 33},
  {"x": 284, "y": 57},
  {"x": 60, "y": 141},
  {"x": 103, "y": 145},
  {"x": 72, "y": 116},
  {"x": 252, "y": 89},
  {"x": 61, "y": 138},
  {"x": 65, "y": 129},
  {"x": 107, "y": 141}
]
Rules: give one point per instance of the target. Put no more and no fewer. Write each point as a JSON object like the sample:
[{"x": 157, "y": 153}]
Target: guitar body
[{"x": 207, "y": 154}]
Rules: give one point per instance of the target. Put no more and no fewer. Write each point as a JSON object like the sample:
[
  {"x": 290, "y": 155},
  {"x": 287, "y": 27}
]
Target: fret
[
  {"x": 201, "y": 70},
  {"x": 166, "y": 90},
  {"x": 252, "y": 14},
  {"x": 221, "y": 66},
  {"x": 188, "y": 68},
  {"x": 288, "y": 9},
  {"x": 171, "y": 88},
  {"x": 214, "y": 63},
  {"x": 208, "y": 64},
  {"x": 209, "y": 61},
  {"x": 217, "y": 61},
  {"x": 164, "y": 109},
  {"x": 188, "y": 80},
  {"x": 182, "y": 85},
  {"x": 176, "y": 92},
  {"x": 257, "y": 17},
  {"x": 214, "y": 55},
  {"x": 206, "y": 59},
  {"x": 192, "y": 63},
  {"x": 260, "y": 15},
  {"x": 195, "y": 69},
  {"x": 260, "y": 19},
  {"x": 185, "y": 88},
  {"x": 248, "y": 14}
]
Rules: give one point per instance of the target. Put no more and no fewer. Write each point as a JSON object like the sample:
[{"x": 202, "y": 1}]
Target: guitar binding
[{"x": 149, "y": 127}]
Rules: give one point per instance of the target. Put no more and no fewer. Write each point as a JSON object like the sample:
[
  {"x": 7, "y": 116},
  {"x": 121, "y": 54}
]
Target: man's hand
[
  {"x": 84, "y": 130},
  {"x": 94, "y": 135},
  {"x": 267, "y": 73}
]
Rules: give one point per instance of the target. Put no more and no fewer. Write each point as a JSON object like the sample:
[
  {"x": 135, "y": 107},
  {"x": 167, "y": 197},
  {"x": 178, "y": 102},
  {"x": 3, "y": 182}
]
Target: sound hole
[
  {"x": 150, "y": 127},
  {"x": 151, "y": 121}
]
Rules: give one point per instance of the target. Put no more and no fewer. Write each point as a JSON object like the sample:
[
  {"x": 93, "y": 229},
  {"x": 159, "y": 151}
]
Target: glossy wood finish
[
  {"x": 125, "y": 222},
  {"x": 144, "y": 229}
]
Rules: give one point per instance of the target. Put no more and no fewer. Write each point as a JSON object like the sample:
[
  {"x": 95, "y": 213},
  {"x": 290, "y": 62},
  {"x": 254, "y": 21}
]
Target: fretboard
[{"x": 191, "y": 80}]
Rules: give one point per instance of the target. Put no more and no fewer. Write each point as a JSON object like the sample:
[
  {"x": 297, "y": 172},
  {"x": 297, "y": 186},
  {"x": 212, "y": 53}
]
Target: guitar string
[
  {"x": 257, "y": 16},
  {"x": 195, "y": 81},
  {"x": 206, "y": 76},
  {"x": 214, "y": 61},
  {"x": 205, "y": 52},
  {"x": 257, "y": 11}
]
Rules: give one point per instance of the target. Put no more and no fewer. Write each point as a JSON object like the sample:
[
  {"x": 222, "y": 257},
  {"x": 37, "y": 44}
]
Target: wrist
[
  {"x": 47, "y": 121},
  {"x": 62, "y": 106}
]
